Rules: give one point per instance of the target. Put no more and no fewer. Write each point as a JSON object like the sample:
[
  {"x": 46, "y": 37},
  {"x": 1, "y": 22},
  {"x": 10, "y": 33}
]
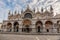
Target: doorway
[{"x": 16, "y": 27}]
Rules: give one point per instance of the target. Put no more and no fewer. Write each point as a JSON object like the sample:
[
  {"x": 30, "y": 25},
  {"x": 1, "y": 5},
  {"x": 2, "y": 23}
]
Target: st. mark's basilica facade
[{"x": 32, "y": 22}]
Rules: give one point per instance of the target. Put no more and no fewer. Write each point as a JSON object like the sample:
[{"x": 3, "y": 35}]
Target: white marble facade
[{"x": 31, "y": 21}]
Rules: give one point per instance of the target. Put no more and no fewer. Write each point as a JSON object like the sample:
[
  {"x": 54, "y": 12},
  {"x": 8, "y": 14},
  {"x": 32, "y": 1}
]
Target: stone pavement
[{"x": 28, "y": 37}]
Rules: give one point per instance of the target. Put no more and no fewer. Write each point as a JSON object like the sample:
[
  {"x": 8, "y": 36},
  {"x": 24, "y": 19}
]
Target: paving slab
[{"x": 28, "y": 37}]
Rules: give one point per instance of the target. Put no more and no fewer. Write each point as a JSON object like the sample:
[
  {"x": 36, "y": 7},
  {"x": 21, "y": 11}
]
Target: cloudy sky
[{"x": 6, "y": 5}]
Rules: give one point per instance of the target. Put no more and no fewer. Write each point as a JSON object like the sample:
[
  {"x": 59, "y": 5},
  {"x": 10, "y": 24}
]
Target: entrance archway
[
  {"x": 9, "y": 27},
  {"x": 58, "y": 26},
  {"x": 39, "y": 26},
  {"x": 26, "y": 25},
  {"x": 48, "y": 25},
  {"x": 16, "y": 26}
]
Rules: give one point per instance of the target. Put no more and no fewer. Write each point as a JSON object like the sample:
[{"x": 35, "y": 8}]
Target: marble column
[
  {"x": 12, "y": 27},
  {"x": 33, "y": 28},
  {"x": 5, "y": 28},
  {"x": 44, "y": 30},
  {"x": 55, "y": 28}
]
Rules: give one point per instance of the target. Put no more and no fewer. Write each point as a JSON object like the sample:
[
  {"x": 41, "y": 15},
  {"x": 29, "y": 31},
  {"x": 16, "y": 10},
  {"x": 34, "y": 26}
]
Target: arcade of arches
[{"x": 26, "y": 27}]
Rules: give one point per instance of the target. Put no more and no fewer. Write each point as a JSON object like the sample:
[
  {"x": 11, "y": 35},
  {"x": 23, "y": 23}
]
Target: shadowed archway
[
  {"x": 39, "y": 26},
  {"x": 16, "y": 26},
  {"x": 58, "y": 26},
  {"x": 48, "y": 25},
  {"x": 9, "y": 27}
]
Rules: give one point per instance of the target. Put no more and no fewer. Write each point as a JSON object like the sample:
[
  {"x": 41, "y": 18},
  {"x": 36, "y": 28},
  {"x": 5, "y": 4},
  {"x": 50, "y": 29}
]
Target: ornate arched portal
[
  {"x": 39, "y": 26},
  {"x": 16, "y": 26},
  {"x": 48, "y": 25},
  {"x": 26, "y": 25},
  {"x": 58, "y": 24},
  {"x": 9, "y": 27}
]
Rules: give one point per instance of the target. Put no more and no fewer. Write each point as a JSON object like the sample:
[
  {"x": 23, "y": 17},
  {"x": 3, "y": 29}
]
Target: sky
[{"x": 12, "y": 5}]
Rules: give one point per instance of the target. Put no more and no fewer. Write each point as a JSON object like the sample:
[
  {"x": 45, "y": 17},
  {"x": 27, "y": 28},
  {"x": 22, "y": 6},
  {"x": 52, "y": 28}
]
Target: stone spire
[
  {"x": 51, "y": 9},
  {"x": 22, "y": 11},
  {"x": 9, "y": 12},
  {"x": 34, "y": 9},
  {"x": 42, "y": 9},
  {"x": 27, "y": 6},
  {"x": 15, "y": 12}
]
